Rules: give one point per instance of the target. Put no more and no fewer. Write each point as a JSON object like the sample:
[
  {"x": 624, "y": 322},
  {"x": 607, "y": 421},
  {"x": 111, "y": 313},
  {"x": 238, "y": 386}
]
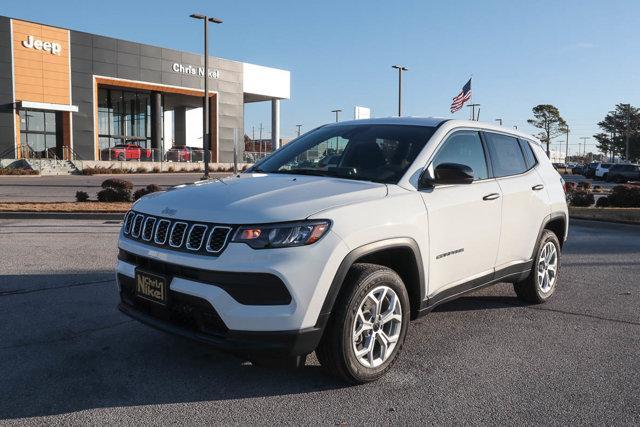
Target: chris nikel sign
[
  {"x": 45, "y": 46},
  {"x": 195, "y": 71}
]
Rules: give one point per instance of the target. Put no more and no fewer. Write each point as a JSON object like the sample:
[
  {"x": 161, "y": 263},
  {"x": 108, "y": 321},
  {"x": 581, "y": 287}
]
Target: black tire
[
  {"x": 530, "y": 290},
  {"x": 335, "y": 351}
]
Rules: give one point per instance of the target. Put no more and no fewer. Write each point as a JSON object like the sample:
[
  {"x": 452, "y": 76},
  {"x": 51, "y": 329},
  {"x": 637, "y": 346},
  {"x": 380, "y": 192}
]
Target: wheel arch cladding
[
  {"x": 557, "y": 224},
  {"x": 400, "y": 254}
]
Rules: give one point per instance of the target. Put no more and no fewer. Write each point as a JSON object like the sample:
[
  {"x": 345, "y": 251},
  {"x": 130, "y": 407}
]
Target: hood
[{"x": 258, "y": 198}]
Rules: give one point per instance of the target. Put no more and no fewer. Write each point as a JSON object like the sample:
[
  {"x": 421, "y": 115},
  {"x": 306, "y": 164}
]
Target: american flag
[{"x": 462, "y": 97}]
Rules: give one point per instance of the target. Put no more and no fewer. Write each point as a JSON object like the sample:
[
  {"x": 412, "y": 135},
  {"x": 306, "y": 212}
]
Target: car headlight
[{"x": 282, "y": 235}]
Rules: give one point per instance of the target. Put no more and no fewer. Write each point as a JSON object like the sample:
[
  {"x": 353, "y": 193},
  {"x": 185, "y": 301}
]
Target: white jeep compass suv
[{"x": 301, "y": 254}]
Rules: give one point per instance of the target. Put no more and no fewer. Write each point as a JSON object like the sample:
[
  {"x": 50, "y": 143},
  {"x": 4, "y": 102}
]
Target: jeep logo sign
[{"x": 37, "y": 44}]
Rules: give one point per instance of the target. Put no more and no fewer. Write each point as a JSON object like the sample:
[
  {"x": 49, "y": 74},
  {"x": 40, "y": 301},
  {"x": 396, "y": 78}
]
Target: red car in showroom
[
  {"x": 124, "y": 152},
  {"x": 185, "y": 154}
]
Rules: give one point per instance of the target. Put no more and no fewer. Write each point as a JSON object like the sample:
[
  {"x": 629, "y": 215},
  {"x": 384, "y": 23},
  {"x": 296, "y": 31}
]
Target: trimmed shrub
[
  {"x": 109, "y": 195},
  {"x": 115, "y": 190},
  {"x": 82, "y": 196},
  {"x": 156, "y": 169},
  {"x": 171, "y": 169},
  {"x": 602, "y": 202},
  {"x": 141, "y": 169},
  {"x": 117, "y": 183},
  {"x": 570, "y": 186},
  {"x": 18, "y": 171},
  {"x": 102, "y": 171},
  {"x": 581, "y": 199},
  {"x": 151, "y": 188},
  {"x": 623, "y": 196},
  {"x": 584, "y": 185}
]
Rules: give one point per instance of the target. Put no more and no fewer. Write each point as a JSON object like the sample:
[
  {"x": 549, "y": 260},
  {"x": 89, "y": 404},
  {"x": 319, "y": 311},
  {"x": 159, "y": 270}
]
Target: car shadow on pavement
[
  {"x": 480, "y": 302},
  {"x": 69, "y": 349}
]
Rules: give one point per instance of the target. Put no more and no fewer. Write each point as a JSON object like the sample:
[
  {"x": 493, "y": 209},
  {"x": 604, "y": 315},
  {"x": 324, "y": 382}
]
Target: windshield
[{"x": 379, "y": 153}]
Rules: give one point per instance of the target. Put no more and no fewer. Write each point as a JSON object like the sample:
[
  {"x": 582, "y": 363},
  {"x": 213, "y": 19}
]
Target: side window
[
  {"x": 465, "y": 148},
  {"x": 529, "y": 157},
  {"x": 506, "y": 155}
]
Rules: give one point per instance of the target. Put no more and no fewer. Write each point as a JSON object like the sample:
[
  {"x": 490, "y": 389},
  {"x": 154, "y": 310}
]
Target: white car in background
[
  {"x": 601, "y": 170},
  {"x": 296, "y": 256}
]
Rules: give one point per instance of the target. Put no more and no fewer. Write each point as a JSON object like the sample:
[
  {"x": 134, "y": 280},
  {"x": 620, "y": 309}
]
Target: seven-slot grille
[{"x": 185, "y": 236}]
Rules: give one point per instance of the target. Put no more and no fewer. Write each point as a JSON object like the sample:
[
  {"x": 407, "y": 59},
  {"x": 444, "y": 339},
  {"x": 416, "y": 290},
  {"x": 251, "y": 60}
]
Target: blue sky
[{"x": 582, "y": 56}]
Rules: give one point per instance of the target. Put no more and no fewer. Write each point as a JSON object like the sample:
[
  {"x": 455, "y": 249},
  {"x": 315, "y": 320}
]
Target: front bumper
[
  {"x": 195, "y": 318},
  {"x": 243, "y": 301},
  {"x": 281, "y": 343},
  {"x": 306, "y": 272}
]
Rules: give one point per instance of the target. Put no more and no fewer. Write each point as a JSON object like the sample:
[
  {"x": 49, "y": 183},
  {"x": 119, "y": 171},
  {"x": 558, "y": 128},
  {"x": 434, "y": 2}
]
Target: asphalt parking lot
[{"x": 67, "y": 355}]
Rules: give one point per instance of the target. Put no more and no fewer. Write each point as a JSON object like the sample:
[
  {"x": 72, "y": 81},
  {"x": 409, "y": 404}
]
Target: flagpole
[{"x": 471, "y": 99}]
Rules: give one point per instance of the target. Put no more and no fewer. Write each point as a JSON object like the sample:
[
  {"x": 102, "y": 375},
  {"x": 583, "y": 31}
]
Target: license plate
[{"x": 151, "y": 287}]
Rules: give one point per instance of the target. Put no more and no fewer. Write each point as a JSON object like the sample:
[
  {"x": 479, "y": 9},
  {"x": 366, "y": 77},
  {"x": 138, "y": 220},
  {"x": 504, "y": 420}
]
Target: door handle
[
  {"x": 491, "y": 196},
  {"x": 537, "y": 187}
]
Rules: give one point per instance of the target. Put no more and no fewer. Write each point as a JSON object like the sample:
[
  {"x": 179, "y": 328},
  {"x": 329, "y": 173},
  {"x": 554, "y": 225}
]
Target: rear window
[
  {"x": 506, "y": 155},
  {"x": 529, "y": 157}
]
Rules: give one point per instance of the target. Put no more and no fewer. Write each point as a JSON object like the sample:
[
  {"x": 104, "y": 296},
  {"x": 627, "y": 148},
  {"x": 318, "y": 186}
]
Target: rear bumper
[{"x": 280, "y": 343}]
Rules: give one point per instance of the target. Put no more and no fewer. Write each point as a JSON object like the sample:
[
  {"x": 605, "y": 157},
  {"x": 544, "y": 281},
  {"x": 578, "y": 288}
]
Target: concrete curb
[
  {"x": 615, "y": 215},
  {"x": 107, "y": 216},
  {"x": 595, "y": 221}
]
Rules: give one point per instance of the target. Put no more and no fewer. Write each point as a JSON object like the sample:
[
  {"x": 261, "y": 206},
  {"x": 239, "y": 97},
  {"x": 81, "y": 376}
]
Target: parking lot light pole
[
  {"x": 206, "y": 142},
  {"x": 400, "y": 69}
]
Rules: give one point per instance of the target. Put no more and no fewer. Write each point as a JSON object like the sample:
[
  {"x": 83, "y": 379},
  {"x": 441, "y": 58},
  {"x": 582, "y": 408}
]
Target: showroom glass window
[
  {"x": 124, "y": 117},
  {"x": 39, "y": 133},
  {"x": 506, "y": 155}
]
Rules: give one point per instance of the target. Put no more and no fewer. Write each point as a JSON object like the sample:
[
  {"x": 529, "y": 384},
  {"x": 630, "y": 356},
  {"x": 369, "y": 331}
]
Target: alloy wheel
[
  {"x": 547, "y": 267},
  {"x": 376, "y": 327}
]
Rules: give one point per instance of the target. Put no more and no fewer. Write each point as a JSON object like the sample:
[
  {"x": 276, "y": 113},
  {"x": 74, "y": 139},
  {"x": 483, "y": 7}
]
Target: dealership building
[{"x": 73, "y": 95}]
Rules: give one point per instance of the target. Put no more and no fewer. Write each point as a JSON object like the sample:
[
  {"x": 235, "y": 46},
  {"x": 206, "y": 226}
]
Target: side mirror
[{"x": 446, "y": 173}]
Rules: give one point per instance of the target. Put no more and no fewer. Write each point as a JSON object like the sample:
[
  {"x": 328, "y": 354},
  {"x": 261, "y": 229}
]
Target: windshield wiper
[{"x": 303, "y": 172}]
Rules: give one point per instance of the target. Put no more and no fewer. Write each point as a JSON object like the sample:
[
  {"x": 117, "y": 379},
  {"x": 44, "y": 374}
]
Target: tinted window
[
  {"x": 506, "y": 155},
  {"x": 464, "y": 148},
  {"x": 529, "y": 157},
  {"x": 380, "y": 153}
]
